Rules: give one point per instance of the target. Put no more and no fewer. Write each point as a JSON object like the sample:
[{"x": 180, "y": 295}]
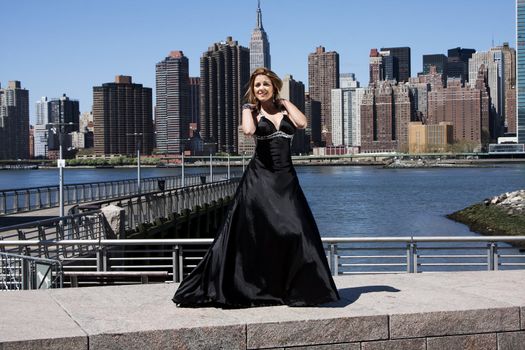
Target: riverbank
[{"x": 502, "y": 215}]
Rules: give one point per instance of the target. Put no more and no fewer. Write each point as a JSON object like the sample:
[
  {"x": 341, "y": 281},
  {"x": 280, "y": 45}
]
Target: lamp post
[{"x": 61, "y": 163}]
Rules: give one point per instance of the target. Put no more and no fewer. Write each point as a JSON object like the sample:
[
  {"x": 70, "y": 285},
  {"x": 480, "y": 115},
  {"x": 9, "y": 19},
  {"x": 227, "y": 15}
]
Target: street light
[{"x": 61, "y": 163}]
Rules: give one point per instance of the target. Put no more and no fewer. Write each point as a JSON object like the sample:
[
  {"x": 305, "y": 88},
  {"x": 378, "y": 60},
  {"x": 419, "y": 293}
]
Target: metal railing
[
  {"x": 19, "y": 272},
  {"x": 35, "y": 198},
  {"x": 144, "y": 208},
  {"x": 359, "y": 255}
]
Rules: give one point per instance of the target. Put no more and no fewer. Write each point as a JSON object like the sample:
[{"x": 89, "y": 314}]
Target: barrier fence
[
  {"x": 356, "y": 255},
  {"x": 35, "y": 198}
]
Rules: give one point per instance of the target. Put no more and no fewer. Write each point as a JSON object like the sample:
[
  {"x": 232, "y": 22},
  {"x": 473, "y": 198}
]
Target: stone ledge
[{"x": 375, "y": 312}]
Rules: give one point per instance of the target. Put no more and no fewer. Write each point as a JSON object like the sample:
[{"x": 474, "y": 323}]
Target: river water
[{"x": 349, "y": 200}]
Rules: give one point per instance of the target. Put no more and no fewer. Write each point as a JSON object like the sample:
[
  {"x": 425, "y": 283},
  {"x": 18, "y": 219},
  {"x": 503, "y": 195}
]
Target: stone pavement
[{"x": 458, "y": 310}]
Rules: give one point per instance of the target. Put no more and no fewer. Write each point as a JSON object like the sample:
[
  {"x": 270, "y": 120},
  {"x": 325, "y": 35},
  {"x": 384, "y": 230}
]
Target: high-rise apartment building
[
  {"x": 375, "y": 66},
  {"x": 313, "y": 115},
  {"x": 63, "y": 117},
  {"x": 385, "y": 114},
  {"x": 343, "y": 110},
  {"x": 172, "y": 112},
  {"x": 520, "y": 42},
  {"x": 401, "y": 62},
  {"x": 508, "y": 84},
  {"x": 293, "y": 91},
  {"x": 492, "y": 61},
  {"x": 259, "y": 45},
  {"x": 323, "y": 76},
  {"x": 40, "y": 131},
  {"x": 122, "y": 117},
  {"x": 195, "y": 97},
  {"x": 14, "y": 122},
  {"x": 225, "y": 72},
  {"x": 466, "y": 107}
]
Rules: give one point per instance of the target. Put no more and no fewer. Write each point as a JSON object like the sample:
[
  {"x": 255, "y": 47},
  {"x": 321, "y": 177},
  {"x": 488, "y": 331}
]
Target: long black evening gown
[{"x": 268, "y": 250}]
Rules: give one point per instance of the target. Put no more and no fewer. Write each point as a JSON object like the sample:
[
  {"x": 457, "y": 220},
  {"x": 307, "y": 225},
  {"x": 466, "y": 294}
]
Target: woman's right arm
[{"x": 248, "y": 119}]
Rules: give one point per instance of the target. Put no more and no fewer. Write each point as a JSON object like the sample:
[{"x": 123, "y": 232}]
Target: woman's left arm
[{"x": 296, "y": 116}]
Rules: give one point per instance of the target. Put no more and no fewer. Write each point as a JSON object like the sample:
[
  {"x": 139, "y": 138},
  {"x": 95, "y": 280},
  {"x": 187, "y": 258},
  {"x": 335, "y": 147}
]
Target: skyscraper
[
  {"x": 62, "y": 111},
  {"x": 437, "y": 60},
  {"x": 402, "y": 66},
  {"x": 376, "y": 66},
  {"x": 195, "y": 97},
  {"x": 122, "y": 117},
  {"x": 225, "y": 72},
  {"x": 14, "y": 122},
  {"x": 457, "y": 63},
  {"x": 293, "y": 91},
  {"x": 385, "y": 114},
  {"x": 173, "y": 104},
  {"x": 492, "y": 62},
  {"x": 508, "y": 55},
  {"x": 520, "y": 42},
  {"x": 41, "y": 132},
  {"x": 259, "y": 44},
  {"x": 343, "y": 110},
  {"x": 466, "y": 107},
  {"x": 323, "y": 76}
]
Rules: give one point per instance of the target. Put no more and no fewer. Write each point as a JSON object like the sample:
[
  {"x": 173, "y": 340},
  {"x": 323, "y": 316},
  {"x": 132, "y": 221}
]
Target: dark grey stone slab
[
  {"x": 229, "y": 337},
  {"x": 522, "y": 317},
  {"x": 47, "y": 344},
  {"x": 33, "y": 320},
  {"x": 317, "y": 331},
  {"x": 345, "y": 346},
  {"x": 475, "y": 342},
  {"x": 511, "y": 341},
  {"x": 454, "y": 322},
  {"x": 401, "y": 344}
]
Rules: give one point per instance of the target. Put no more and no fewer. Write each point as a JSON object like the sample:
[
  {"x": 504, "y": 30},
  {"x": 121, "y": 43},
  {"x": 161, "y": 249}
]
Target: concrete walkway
[{"x": 461, "y": 310}]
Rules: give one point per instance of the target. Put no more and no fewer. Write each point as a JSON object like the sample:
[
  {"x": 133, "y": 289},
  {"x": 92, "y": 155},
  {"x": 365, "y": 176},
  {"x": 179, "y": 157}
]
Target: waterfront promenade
[{"x": 459, "y": 310}]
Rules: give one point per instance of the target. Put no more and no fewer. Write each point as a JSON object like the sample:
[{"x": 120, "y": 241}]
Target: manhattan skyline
[{"x": 68, "y": 47}]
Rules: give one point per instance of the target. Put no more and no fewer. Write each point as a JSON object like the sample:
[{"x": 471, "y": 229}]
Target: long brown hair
[{"x": 276, "y": 82}]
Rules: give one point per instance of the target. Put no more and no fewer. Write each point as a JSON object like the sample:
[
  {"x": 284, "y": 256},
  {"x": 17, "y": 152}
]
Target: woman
[{"x": 268, "y": 250}]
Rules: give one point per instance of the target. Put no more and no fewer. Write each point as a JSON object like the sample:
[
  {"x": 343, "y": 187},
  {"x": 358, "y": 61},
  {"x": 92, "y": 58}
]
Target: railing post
[
  {"x": 175, "y": 263},
  {"x": 411, "y": 258},
  {"x": 492, "y": 259},
  {"x": 102, "y": 264},
  {"x": 183, "y": 180},
  {"x": 181, "y": 264}
]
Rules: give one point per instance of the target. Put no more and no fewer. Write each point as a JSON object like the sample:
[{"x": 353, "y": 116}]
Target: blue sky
[{"x": 69, "y": 46}]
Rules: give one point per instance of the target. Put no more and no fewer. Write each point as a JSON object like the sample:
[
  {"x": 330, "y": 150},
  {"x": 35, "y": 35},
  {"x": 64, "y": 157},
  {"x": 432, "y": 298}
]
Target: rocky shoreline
[{"x": 502, "y": 215}]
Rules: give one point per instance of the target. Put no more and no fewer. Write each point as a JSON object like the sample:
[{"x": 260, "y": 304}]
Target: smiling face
[{"x": 263, "y": 88}]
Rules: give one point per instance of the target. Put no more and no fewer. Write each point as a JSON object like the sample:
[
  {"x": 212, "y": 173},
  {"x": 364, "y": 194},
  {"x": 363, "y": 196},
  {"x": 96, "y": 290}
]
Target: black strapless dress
[{"x": 268, "y": 250}]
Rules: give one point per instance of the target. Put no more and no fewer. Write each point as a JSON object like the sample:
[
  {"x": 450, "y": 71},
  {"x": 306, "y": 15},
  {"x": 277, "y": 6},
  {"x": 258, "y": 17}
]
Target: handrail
[{"x": 205, "y": 241}]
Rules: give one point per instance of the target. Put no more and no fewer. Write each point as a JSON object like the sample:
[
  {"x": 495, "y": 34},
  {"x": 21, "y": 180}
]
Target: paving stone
[
  {"x": 134, "y": 308},
  {"x": 229, "y": 337},
  {"x": 454, "y": 322},
  {"x": 313, "y": 332},
  {"x": 33, "y": 320},
  {"x": 47, "y": 344},
  {"x": 402, "y": 344},
  {"x": 345, "y": 346},
  {"x": 511, "y": 341},
  {"x": 466, "y": 342}
]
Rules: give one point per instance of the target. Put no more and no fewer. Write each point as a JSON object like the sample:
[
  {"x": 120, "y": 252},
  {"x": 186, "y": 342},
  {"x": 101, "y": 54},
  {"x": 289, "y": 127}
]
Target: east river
[{"x": 350, "y": 200}]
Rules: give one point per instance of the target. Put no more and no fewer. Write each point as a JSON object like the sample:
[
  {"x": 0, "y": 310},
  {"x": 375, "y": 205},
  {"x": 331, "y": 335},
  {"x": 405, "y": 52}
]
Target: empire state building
[{"x": 259, "y": 45}]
